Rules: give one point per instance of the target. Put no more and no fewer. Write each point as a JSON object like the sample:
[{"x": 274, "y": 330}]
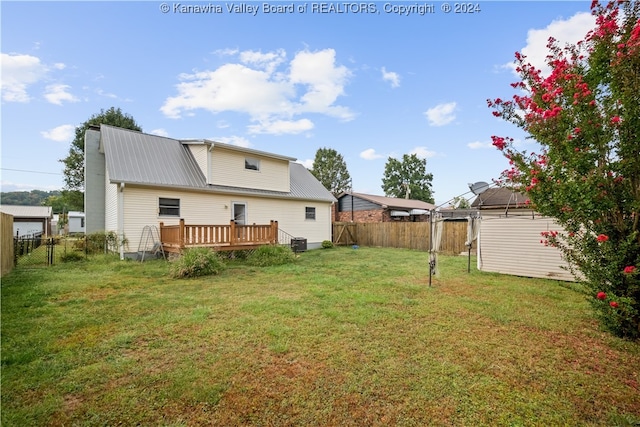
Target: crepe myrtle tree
[{"x": 585, "y": 115}]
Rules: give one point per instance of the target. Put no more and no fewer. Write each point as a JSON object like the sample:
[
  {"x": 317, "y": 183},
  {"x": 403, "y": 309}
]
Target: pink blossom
[
  {"x": 601, "y": 296},
  {"x": 613, "y": 304},
  {"x": 615, "y": 120},
  {"x": 602, "y": 238},
  {"x": 630, "y": 269}
]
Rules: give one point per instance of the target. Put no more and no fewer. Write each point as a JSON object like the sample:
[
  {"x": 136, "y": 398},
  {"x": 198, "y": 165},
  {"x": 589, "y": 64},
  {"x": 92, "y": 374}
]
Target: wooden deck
[{"x": 230, "y": 237}]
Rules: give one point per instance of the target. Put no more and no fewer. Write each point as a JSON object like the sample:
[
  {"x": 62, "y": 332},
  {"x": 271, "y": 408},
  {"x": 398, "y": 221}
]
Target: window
[
  {"x": 252, "y": 164},
  {"x": 310, "y": 213},
  {"x": 169, "y": 207}
]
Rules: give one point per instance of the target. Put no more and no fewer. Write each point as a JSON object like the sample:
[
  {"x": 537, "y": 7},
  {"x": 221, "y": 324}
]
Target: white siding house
[{"x": 149, "y": 179}]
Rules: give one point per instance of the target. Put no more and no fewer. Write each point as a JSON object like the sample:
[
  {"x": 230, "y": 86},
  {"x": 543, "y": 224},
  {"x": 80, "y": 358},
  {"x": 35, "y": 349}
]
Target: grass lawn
[{"x": 342, "y": 337}]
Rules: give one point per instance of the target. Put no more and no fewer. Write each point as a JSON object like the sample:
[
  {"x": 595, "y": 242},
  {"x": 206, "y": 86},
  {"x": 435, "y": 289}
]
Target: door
[{"x": 239, "y": 213}]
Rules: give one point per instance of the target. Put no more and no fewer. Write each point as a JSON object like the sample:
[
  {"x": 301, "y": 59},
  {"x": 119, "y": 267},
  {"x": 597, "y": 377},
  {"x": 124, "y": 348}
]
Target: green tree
[
  {"x": 26, "y": 198},
  {"x": 409, "y": 174},
  {"x": 586, "y": 117},
  {"x": 74, "y": 162},
  {"x": 460, "y": 202},
  {"x": 330, "y": 169},
  {"x": 65, "y": 201}
]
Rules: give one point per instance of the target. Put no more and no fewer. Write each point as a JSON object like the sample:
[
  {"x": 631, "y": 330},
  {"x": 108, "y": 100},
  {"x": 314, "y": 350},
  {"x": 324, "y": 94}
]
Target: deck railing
[{"x": 222, "y": 237}]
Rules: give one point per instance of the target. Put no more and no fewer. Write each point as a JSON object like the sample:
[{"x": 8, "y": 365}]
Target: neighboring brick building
[{"x": 358, "y": 207}]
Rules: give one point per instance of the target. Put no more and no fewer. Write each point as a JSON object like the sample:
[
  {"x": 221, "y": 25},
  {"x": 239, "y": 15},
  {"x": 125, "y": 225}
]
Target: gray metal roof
[
  {"x": 137, "y": 158},
  {"x": 27, "y": 211}
]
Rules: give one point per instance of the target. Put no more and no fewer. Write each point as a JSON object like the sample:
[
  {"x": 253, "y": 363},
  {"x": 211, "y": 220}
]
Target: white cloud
[
  {"x": 370, "y": 154},
  {"x": 106, "y": 94},
  {"x": 18, "y": 73},
  {"x": 280, "y": 127},
  {"x": 391, "y": 77},
  {"x": 422, "y": 152},
  {"x": 234, "y": 140},
  {"x": 159, "y": 132},
  {"x": 324, "y": 80},
  {"x": 58, "y": 93},
  {"x": 475, "y": 145},
  {"x": 564, "y": 31},
  {"x": 62, "y": 133},
  {"x": 267, "y": 61},
  {"x": 441, "y": 114},
  {"x": 308, "y": 163},
  {"x": 312, "y": 84}
]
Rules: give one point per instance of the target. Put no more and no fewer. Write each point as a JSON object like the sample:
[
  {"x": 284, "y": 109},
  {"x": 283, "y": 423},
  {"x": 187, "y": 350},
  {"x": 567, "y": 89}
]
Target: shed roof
[
  {"x": 499, "y": 197},
  {"x": 27, "y": 211},
  {"x": 150, "y": 160}
]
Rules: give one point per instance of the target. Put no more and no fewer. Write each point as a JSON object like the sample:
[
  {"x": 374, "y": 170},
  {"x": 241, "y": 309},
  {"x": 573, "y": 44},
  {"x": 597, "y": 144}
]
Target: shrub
[
  {"x": 327, "y": 244},
  {"x": 72, "y": 256},
  {"x": 99, "y": 242},
  {"x": 196, "y": 262},
  {"x": 268, "y": 255}
]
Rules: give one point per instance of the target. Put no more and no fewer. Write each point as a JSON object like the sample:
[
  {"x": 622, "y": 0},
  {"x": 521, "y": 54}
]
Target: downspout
[
  {"x": 209, "y": 165},
  {"x": 121, "y": 219}
]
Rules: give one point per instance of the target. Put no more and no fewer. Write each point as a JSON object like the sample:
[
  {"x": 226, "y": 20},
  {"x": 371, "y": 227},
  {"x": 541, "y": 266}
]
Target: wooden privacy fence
[
  {"x": 227, "y": 237},
  {"x": 409, "y": 235},
  {"x": 6, "y": 243}
]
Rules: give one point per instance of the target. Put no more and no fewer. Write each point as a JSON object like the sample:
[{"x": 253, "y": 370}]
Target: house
[
  {"x": 29, "y": 220},
  {"x": 359, "y": 207},
  {"x": 134, "y": 180},
  {"x": 509, "y": 239},
  {"x": 75, "y": 222}
]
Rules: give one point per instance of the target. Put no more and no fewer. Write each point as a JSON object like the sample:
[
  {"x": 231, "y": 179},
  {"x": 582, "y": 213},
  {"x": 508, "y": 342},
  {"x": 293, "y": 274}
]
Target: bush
[
  {"x": 268, "y": 255},
  {"x": 327, "y": 244},
  {"x": 72, "y": 256},
  {"x": 197, "y": 262},
  {"x": 99, "y": 242}
]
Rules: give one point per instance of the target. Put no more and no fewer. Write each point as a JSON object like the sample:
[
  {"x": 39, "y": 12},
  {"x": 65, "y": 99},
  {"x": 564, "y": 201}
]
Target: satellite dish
[{"x": 479, "y": 187}]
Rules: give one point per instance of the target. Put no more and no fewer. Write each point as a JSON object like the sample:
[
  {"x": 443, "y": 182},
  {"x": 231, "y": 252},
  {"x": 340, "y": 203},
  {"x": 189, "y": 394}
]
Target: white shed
[{"x": 509, "y": 240}]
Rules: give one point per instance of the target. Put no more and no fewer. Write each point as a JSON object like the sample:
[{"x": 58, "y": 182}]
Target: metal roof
[
  {"x": 27, "y": 211},
  {"x": 137, "y": 158}
]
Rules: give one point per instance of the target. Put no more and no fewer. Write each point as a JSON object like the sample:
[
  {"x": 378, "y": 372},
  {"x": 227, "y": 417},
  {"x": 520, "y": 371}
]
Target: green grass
[{"x": 341, "y": 337}]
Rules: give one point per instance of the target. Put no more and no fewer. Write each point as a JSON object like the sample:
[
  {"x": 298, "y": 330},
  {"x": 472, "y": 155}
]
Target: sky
[{"x": 372, "y": 80}]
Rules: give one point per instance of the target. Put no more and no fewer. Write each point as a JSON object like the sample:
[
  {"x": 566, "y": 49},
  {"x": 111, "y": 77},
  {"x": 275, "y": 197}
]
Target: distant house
[
  {"x": 509, "y": 240},
  {"x": 76, "y": 222},
  {"x": 134, "y": 180},
  {"x": 360, "y": 207},
  {"x": 29, "y": 220}
]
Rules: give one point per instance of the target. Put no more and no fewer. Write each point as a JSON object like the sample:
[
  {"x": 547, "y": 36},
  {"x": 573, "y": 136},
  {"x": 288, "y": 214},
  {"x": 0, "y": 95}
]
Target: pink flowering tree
[{"x": 585, "y": 115}]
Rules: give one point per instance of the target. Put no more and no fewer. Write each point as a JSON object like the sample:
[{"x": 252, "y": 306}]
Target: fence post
[
  {"x": 232, "y": 233},
  {"x": 182, "y": 236}
]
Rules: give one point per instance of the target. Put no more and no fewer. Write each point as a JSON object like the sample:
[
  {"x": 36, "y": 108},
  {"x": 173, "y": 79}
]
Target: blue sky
[{"x": 369, "y": 82}]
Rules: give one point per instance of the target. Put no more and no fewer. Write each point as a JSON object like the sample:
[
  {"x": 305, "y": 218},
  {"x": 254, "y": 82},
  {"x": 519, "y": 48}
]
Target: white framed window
[
  {"x": 252, "y": 164},
  {"x": 310, "y": 213},
  {"x": 168, "y": 207}
]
